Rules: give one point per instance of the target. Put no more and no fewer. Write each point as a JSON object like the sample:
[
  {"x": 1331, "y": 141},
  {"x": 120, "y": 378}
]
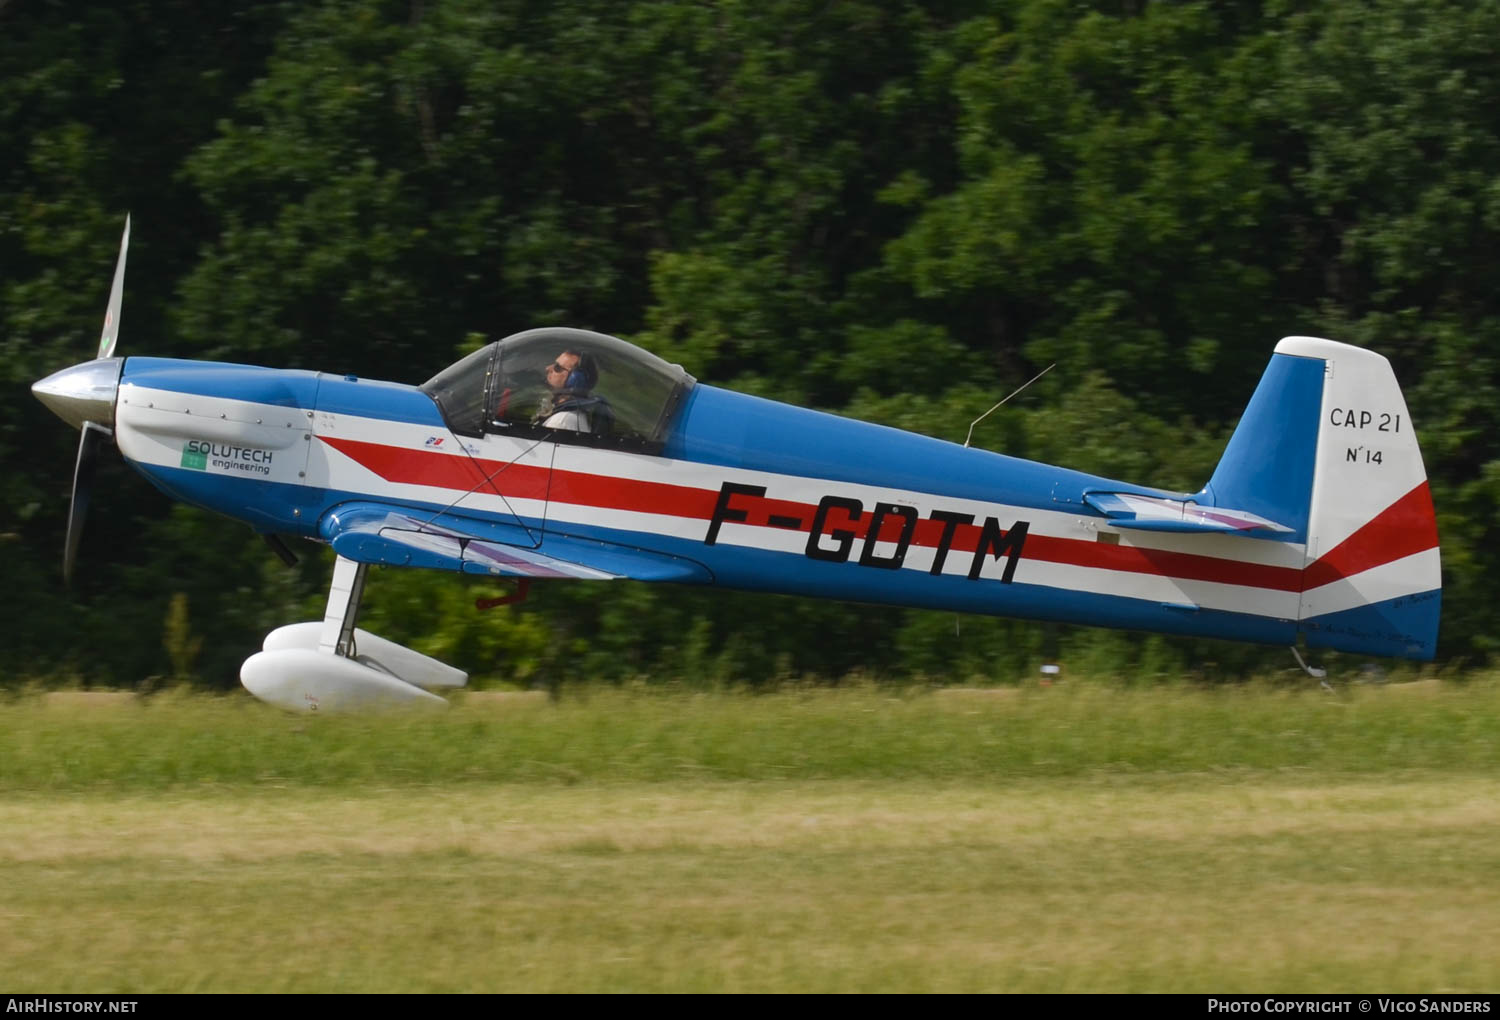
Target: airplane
[{"x": 1317, "y": 523}]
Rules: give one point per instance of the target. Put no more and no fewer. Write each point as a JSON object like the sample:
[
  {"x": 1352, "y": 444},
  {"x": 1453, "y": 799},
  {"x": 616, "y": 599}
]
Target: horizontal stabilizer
[{"x": 1152, "y": 513}]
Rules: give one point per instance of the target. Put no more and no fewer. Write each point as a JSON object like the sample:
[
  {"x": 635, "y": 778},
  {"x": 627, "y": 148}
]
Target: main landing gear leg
[
  {"x": 332, "y": 665},
  {"x": 344, "y": 594}
]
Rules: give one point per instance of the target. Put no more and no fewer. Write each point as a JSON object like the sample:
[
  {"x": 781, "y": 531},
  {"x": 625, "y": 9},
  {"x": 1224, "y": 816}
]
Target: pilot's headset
[{"x": 585, "y": 374}]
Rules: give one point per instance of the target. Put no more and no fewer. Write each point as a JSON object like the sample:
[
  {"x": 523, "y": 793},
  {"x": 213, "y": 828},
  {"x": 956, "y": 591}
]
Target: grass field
[{"x": 1079, "y": 838}]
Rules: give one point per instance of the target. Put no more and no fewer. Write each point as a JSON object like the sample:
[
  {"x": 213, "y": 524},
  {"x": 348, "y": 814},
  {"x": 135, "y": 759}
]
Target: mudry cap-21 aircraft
[{"x": 1316, "y": 523}]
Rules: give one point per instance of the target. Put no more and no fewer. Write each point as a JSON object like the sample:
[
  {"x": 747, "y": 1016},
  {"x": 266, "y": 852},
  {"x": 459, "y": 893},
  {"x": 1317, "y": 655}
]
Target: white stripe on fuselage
[{"x": 1391, "y": 580}]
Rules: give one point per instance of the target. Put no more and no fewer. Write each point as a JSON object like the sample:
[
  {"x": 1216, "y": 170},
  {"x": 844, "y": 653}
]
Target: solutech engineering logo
[{"x": 200, "y": 455}]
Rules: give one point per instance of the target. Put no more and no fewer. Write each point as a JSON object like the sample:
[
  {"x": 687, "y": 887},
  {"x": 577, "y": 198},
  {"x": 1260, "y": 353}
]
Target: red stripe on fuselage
[
  {"x": 445, "y": 470},
  {"x": 1406, "y": 527},
  {"x": 613, "y": 493},
  {"x": 421, "y": 467}
]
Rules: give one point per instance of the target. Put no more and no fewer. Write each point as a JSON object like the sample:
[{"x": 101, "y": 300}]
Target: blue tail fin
[{"x": 1268, "y": 466}]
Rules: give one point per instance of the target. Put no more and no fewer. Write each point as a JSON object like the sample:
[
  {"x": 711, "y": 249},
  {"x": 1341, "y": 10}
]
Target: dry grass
[
  {"x": 1187, "y": 883},
  {"x": 1075, "y": 838}
]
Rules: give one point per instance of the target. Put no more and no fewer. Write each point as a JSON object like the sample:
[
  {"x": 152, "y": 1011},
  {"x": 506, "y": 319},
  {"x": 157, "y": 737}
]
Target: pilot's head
[{"x": 573, "y": 372}]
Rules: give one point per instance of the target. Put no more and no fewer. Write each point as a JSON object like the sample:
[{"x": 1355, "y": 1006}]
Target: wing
[
  {"x": 1151, "y": 513},
  {"x": 371, "y": 532}
]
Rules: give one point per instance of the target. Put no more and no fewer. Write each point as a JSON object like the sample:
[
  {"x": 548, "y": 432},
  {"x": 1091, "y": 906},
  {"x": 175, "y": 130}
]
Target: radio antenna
[{"x": 992, "y": 410}]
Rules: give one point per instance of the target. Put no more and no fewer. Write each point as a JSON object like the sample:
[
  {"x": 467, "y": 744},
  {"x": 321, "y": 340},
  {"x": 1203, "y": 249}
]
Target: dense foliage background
[{"x": 895, "y": 210}]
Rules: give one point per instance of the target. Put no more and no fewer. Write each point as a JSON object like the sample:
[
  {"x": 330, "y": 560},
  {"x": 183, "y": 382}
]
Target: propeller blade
[
  {"x": 111, "y": 331},
  {"x": 89, "y": 441}
]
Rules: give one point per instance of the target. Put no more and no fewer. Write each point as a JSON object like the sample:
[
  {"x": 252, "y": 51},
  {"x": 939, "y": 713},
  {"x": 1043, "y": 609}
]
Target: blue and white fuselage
[{"x": 749, "y": 493}]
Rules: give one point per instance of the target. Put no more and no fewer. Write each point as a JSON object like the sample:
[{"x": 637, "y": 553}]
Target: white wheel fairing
[{"x": 307, "y": 681}]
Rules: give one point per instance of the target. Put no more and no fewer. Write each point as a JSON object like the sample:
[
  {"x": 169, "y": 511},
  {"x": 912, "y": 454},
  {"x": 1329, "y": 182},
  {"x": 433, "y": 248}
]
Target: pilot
[{"x": 570, "y": 377}]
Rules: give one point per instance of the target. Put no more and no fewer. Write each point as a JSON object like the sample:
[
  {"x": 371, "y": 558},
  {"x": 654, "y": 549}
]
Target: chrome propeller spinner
[{"x": 84, "y": 397}]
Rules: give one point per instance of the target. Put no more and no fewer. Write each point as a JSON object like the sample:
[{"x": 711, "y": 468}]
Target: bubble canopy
[{"x": 503, "y": 388}]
